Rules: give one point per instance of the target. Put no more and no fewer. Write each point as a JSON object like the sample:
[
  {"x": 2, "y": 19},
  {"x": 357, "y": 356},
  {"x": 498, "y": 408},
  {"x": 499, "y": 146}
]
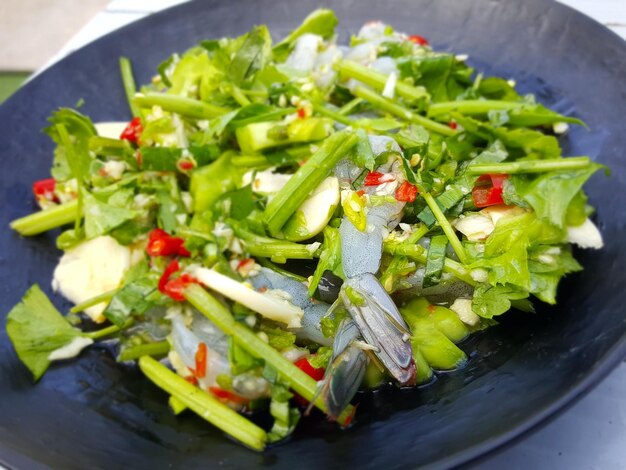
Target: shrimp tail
[{"x": 381, "y": 325}]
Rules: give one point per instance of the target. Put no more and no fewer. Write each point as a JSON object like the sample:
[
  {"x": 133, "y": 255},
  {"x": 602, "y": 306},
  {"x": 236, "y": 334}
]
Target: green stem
[
  {"x": 204, "y": 405},
  {"x": 104, "y": 297},
  {"x": 420, "y": 254},
  {"x": 48, "y": 219},
  {"x": 350, "y": 105},
  {"x": 324, "y": 111},
  {"x": 306, "y": 179},
  {"x": 471, "y": 106},
  {"x": 530, "y": 166},
  {"x": 447, "y": 228},
  {"x": 378, "y": 80},
  {"x": 76, "y": 166},
  {"x": 130, "y": 88},
  {"x": 109, "y": 330},
  {"x": 388, "y": 278},
  {"x": 268, "y": 264},
  {"x": 290, "y": 374},
  {"x": 159, "y": 349},
  {"x": 276, "y": 250},
  {"x": 107, "y": 146},
  {"x": 180, "y": 105},
  {"x": 250, "y": 161},
  {"x": 391, "y": 107}
]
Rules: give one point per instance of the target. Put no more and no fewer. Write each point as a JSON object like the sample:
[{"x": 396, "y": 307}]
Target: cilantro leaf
[
  {"x": 490, "y": 301},
  {"x": 37, "y": 329},
  {"x": 253, "y": 54},
  {"x": 547, "y": 266},
  {"x": 101, "y": 218}
]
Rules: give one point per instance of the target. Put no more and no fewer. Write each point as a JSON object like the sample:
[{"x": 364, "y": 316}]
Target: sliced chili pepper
[
  {"x": 419, "y": 40},
  {"x": 316, "y": 373},
  {"x": 488, "y": 190},
  {"x": 375, "y": 178},
  {"x": 133, "y": 131},
  {"x": 407, "y": 192},
  {"x": 171, "y": 268},
  {"x": 174, "y": 288},
  {"x": 192, "y": 378},
  {"x": 201, "y": 355},
  {"x": 161, "y": 243},
  {"x": 225, "y": 395},
  {"x": 301, "y": 113},
  {"x": 453, "y": 125},
  {"x": 45, "y": 188},
  {"x": 186, "y": 165}
]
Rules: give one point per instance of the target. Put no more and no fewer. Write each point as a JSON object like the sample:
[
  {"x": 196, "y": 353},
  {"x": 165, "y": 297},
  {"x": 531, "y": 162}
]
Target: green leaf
[
  {"x": 330, "y": 258},
  {"x": 548, "y": 265},
  {"x": 253, "y": 55},
  {"x": 210, "y": 182},
  {"x": 160, "y": 158},
  {"x": 363, "y": 157},
  {"x": 435, "y": 260},
  {"x": 495, "y": 88},
  {"x": 550, "y": 194},
  {"x": 490, "y": 301},
  {"x": 278, "y": 338},
  {"x": 509, "y": 267},
  {"x": 321, "y": 22},
  {"x": 36, "y": 329},
  {"x": 80, "y": 129},
  {"x": 537, "y": 115},
  {"x": 131, "y": 299},
  {"x": 321, "y": 358},
  {"x": 101, "y": 218}
]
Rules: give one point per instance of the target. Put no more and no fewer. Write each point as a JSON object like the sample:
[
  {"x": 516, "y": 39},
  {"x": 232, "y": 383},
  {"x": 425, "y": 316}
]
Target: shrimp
[
  {"x": 298, "y": 293},
  {"x": 367, "y": 302}
]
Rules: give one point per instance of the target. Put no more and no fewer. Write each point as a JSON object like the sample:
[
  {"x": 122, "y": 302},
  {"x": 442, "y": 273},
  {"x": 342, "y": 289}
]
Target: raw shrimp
[{"x": 369, "y": 305}]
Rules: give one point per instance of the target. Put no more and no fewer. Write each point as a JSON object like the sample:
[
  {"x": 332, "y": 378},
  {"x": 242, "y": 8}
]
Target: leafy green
[
  {"x": 435, "y": 260},
  {"x": 210, "y": 182},
  {"x": 160, "y": 158},
  {"x": 80, "y": 129},
  {"x": 330, "y": 258},
  {"x": 490, "y": 301},
  {"x": 36, "y": 329},
  {"x": 131, "y": 299},
  {"x": 547, "y": 266},
  {"x": 363, "y": 157},
  {"x": 550, "y": 194},
  {"x": 285, "y": 417},
  {"x": 321, "y": 22},
  {"x": 279, "y": 338},
  {"x": 510, "y": 266},
  {"x": 254, "y": 53},
  {"x": 101, "y": 218}
]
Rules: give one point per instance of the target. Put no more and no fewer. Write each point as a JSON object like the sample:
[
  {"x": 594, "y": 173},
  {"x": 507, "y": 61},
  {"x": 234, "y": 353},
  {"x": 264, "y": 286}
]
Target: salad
[{"x": 284, "y": 224}]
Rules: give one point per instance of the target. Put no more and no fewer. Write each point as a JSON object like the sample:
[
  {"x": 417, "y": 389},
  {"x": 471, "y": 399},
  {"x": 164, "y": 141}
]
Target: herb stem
[
  {"x": 109, "y": 330},
  {"x": 324, "y": 111},
  {"x": 471, "y": 106},
  {"x": 104, "y": 297},
  {"x": 180, "y": 105},
  {"x": 378, "y": 80},
  {"x": 529, "y": 166},
  {"x": 126, "y": 70},
  {"x": 447, "y": 228},
  {"x": 385, "y": 104},
  {"x": 306, "y": 179},
  {"x": 48, "y": 219},
  {"x": 203, "y": 404},
  {"x": 160, "y": 349}
]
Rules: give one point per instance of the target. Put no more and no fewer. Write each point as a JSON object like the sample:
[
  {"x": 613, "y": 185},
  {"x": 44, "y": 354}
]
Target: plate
[{"x": 94, "y": 413}]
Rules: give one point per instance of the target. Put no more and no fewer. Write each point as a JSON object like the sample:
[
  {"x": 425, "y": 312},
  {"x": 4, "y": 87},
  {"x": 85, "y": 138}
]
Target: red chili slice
[
  {"x": 133, "y": 131},
  {"x": 171, "y": 268},
  {"x": 419, "y": 40},
  {"x": 161, "y": 243},
  {"x": 488, "y": 190},
  {"x": 45, "y": 188},
  {"x": 407, "y": 192},
  {"x": 174, "y": 288},
  {"x": 375, "y": 178},
  {"x": 201, "y": 360},
  {"x": 225, "y": 395},
  {"x": 315, "y": 373}
]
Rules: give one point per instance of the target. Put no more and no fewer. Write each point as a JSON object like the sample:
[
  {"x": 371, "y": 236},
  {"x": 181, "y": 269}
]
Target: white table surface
[{"x": 591, "y": 434}]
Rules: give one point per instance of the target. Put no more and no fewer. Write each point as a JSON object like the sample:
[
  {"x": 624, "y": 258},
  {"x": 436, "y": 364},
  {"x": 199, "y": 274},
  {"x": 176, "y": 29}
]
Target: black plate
[{"x": 95, "y": 414}]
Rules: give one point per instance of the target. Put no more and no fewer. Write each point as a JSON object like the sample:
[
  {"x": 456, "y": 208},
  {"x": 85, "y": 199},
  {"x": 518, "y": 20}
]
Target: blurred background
[{"x": 36, "y": 33}]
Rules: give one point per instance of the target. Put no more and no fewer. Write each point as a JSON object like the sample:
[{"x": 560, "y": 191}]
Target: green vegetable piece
[
  {"x": 253, "y": 54},
  {"x": 212, "y": 181},
  {"x": 101, "y": 218},
  {"x": 444, "y": 319},
  {"x": 490, "y": 301},
  {"x": 262, "y": 135},
  {"x": 42, "y": 221},
  {"x": 321, "y": 22},
  {"x": 330, "y": 258},
  {"x": 188, "y": 107},
  {"x": 37, "y": 329},
  {"x": 204, "y": 405},
  {"x": 308, "y": 177},
  {"x": 435, "y": 260},
  {"x": 128, "y": 80},
  {"x": 424, "y": 372},
  {"x": 438, "y": 351}
]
